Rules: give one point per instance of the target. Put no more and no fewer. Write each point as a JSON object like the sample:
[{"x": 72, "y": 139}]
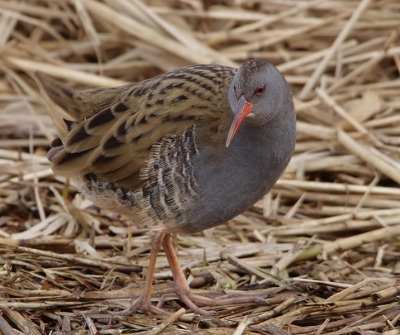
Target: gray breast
[{"x": 232, "y": 179}]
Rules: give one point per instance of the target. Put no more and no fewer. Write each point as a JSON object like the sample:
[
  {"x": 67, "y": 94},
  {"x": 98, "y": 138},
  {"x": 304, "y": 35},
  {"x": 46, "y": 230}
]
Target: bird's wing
[{"x": 111, "y": 132}]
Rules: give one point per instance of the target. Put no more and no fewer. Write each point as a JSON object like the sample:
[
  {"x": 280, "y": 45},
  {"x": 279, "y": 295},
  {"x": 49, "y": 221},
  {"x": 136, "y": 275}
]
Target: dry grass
[{"x": 323, "y": 247}]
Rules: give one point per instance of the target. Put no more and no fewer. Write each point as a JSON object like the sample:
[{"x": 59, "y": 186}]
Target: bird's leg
[
  {"x": 143, "y": 302},
  {"x": 182, "y": 288}
]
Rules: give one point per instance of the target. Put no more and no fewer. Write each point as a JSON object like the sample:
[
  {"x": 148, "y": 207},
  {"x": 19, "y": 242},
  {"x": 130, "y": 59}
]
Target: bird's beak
[{"x": 243, "y": 108}]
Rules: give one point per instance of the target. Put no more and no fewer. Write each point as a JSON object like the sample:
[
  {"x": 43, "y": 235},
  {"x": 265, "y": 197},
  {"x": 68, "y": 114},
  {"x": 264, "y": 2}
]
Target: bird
[{"x": 181, "y": 152}]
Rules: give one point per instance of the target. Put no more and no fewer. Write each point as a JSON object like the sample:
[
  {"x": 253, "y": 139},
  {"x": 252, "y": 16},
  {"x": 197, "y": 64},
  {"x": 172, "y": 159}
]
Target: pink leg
[
  {"x": 191, "y": 300},
  {"x": 143, "y": 302},
  {"x": 182, "y": 288}
]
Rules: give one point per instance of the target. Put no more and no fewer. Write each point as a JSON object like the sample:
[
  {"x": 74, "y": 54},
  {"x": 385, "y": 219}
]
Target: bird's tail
[{"x": 65, "y": 113}]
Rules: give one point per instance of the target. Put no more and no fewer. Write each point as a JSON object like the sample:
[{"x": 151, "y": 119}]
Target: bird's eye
[{"x": 260, "y": 89}]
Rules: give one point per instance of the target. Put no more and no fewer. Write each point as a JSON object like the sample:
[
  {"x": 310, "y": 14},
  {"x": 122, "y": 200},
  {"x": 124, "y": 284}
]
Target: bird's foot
[
  {"x": 192, "y": 300},
  {"x": 143, "y": 304}
]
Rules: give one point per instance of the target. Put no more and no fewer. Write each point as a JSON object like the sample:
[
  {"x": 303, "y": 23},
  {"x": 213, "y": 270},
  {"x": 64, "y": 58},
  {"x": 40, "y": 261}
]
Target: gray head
[{"x": 257, "y": 94}]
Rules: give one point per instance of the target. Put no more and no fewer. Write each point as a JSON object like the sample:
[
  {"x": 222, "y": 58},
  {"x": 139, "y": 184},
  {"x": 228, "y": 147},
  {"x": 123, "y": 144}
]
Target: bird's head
[{"x": 257, "y": 94}]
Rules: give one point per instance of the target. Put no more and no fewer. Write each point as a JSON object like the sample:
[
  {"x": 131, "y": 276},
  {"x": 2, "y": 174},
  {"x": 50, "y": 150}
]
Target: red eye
[{"x": 260, "y": 89}]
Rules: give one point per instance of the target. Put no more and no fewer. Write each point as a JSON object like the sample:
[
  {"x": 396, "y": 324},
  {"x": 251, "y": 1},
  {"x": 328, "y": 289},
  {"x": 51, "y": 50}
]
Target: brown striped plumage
[
  {"x": 132, "y": 118},
  {"x": 160, "y": 150}
]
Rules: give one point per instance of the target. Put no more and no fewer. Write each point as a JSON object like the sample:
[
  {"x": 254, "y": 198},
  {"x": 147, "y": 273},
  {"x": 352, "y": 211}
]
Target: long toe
[{"x": 192, "y": 301}]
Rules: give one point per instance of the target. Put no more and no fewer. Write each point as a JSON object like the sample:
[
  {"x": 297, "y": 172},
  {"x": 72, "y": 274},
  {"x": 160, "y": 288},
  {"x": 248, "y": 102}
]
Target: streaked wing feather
[{"x": 113, "y": 130}]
